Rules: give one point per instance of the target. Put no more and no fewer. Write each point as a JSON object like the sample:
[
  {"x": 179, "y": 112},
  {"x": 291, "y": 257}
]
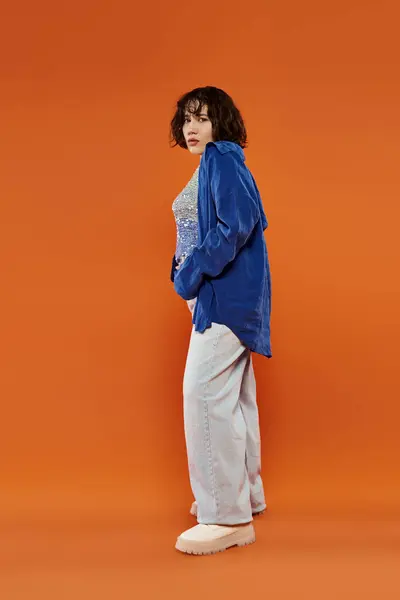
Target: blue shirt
[{"x": 229, "y": 270}]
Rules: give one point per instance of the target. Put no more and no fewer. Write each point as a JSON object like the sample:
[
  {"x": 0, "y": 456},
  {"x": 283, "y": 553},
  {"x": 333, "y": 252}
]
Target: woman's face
[{"x": 197, "y": 131}]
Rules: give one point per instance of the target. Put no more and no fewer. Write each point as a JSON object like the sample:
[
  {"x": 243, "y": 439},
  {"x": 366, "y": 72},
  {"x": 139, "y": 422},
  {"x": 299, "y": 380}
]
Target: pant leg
[
  {"x": 215, "y": 427},
  {"x": 248, "y": 403}
]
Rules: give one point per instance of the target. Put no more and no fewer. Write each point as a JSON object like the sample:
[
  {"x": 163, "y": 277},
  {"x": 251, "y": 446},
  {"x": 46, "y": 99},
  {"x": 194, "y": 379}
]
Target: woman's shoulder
[
  {"x": 223, "y": 156},
  {"x": 223, "y": 147}
]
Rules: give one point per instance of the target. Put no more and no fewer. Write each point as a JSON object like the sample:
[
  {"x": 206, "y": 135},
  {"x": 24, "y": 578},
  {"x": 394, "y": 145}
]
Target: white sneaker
[
  {"x": 209, "y": 539},
  {"x": 193, "y": 510}
]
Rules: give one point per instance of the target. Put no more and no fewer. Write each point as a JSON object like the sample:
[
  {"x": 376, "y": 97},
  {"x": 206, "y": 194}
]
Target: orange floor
[{"x": 293, "y": 558}]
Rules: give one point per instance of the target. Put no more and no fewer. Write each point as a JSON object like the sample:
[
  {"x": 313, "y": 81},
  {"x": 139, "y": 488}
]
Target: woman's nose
[{"x": 192, "y": 126}]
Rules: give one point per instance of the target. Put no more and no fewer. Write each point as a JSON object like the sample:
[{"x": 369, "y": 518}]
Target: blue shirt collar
[{"x": 224, "y": 147}]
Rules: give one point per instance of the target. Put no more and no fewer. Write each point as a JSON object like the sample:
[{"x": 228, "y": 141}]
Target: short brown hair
[{"x": 227, "y": 122}]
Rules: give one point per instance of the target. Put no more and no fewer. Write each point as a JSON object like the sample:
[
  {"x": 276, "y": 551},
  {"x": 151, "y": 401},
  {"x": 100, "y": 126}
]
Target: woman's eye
[{"x": 200, "y": 119}]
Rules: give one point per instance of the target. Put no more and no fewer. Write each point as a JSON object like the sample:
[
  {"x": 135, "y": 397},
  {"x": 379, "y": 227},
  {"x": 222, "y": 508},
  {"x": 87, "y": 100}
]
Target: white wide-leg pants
[{"x": 222, "y": 428}]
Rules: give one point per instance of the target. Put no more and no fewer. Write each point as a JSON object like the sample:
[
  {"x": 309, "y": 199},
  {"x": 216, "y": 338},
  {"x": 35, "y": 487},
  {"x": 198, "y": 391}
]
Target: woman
[{"x": 221, "y": 269}]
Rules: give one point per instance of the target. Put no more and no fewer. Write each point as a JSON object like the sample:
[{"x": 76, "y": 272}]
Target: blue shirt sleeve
[{"x": 237, "y": 213}]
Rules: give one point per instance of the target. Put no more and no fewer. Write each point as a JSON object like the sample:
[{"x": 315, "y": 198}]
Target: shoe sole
[{"x": 239, "y": 538}]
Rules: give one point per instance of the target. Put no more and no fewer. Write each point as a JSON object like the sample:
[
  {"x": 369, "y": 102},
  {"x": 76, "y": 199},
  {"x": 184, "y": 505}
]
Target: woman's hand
[
  {"x": 191, "y": 304},
  {"x": 180, "y": 261}
]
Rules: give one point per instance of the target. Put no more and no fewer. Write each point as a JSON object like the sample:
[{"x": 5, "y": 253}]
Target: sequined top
[{"x": 185, "y": 211}]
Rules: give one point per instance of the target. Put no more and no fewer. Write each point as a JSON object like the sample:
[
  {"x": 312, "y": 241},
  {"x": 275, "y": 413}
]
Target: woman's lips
[{"x": 193, "y": 142}]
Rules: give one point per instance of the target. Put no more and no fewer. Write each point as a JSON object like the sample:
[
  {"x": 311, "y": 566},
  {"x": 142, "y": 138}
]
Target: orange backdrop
[{"x": 93, "y": 336}]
